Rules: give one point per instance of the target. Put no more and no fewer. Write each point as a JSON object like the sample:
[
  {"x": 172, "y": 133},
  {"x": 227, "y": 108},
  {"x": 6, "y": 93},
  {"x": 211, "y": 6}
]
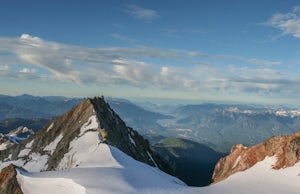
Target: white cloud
[
  {"x": 4, "y": 67},
  {"x": 124, "y": 38},
  {"x": 27, "y": 70},
  {"x": 164, "y": 71},
  {"x": 42, "y": 60},
  {"x": 288, "y": 23},
  {"x": 255, "y": 61},
  {"x": 141, "y": 13}
]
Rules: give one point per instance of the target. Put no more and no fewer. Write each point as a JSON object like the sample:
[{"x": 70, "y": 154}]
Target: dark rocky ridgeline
[
  {"x": 115, "y": 132},
  {"x": 8, "y": 181},
  {"x": 286, "y": 148},
  {"x": 112, "y": 130}
]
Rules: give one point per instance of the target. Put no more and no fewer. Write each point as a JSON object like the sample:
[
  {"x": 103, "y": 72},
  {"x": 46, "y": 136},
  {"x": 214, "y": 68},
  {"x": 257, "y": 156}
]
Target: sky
[{"x": 206, "y": 50}]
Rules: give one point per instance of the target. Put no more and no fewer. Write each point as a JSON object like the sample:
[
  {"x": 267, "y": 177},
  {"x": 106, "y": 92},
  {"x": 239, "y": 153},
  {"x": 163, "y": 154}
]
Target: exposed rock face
[
  {"x": 286, "y": 148},
  {"x": 8, "y": 180},
  {"x": 115, "y": 132},
  {"x": 46, "y": 149}
]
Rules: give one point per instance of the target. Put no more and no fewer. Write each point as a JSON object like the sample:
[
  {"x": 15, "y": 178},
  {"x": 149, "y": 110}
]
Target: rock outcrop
[
  {"x": 8, "y": 180},
  {"x": 286, "y": 148}
]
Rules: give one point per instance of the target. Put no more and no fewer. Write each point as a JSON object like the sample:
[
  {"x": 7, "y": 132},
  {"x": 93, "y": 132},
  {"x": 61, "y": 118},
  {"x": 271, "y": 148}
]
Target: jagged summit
[
  {"x": 285, "y": 148},
  {"x": 69, "y": 139}
]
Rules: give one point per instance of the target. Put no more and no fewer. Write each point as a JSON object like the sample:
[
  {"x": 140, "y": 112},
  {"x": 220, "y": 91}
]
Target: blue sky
[{"x": 206, "y": 50}]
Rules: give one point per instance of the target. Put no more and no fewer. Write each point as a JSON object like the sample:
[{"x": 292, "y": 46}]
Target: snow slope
[
  {"x": 261, "y": 178},
  {"x": 116, "y": 172},
  {"x": 93, "y": 167}
]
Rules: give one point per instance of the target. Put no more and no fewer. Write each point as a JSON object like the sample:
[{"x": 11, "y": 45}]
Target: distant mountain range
[
  {"x": 218, "y": 126},
  {"x": 15, "y": 136},
  {"x": 222, "y": 126},
  {"x": 27, "y": 106},
  {"x": 144, "y": 121},
  {"x": 35, "y": 124}
]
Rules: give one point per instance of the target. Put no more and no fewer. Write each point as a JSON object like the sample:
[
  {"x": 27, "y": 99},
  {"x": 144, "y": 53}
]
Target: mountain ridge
[
  {"x": 53, "y": 143},
  {"x": 286, "y": 149}
]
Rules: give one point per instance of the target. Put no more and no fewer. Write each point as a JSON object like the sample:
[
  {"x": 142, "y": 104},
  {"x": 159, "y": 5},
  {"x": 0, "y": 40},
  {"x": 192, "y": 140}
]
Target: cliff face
[
  {"x": 286, "y": 149},
  {"x": 114, "y": 131}
]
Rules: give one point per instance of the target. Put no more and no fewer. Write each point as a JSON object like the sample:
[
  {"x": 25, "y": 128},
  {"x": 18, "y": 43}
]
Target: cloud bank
[{"x": 32, "y": 58}]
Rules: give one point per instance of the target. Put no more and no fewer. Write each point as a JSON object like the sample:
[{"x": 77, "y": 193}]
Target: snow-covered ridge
[
  {"x": 107, "y": 170},
  {"x": 116, "y": 172},
  {"x": 236, "y": 110},
  {"x": 81, "y": 149},
  {"x": 277, "y": 112},
  {"x": 89, "y": 125},
  {"x": 14, "y": 137},
  {"x": 288, "y": 113}
]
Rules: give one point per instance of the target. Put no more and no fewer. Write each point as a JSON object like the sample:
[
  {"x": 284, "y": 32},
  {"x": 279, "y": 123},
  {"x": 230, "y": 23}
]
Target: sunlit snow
[
  {"x": 116, "y": 172},
  {"x": 52, "y": 146},
  {"x": 90, "y": 124},
  {"x": 50, "y": 127}
]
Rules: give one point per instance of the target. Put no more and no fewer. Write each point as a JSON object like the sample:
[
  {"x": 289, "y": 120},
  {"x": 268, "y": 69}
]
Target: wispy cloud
[
  {"x": 181, "y": 32},
  {"x": 288, "y": 23},
  {"x": 124, "y": 38},
  {"x": 27, "y": 70},
  {"x": 42, "y": 60},
  {"x": 236, "y": 58},
  {"x": 4, "y": 67},
  {"x": 141, "y": 13}
]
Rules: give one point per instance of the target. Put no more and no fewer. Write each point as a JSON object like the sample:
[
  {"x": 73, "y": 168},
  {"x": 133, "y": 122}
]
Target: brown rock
[
  {"x": 286, "y": 148},
  {"x": 8, "y": 181}
]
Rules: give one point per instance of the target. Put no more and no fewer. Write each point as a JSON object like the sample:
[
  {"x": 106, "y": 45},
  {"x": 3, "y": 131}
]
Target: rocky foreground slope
[
  {"x": 8, "y": 180},
  {"x": 285, "y": 148}
]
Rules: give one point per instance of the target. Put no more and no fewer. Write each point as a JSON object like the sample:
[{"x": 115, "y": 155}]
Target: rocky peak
[
  {"x": 114, "y": 131},
  {"x": 59, "y": 144},
  {"x": 286, "y": 148}
]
